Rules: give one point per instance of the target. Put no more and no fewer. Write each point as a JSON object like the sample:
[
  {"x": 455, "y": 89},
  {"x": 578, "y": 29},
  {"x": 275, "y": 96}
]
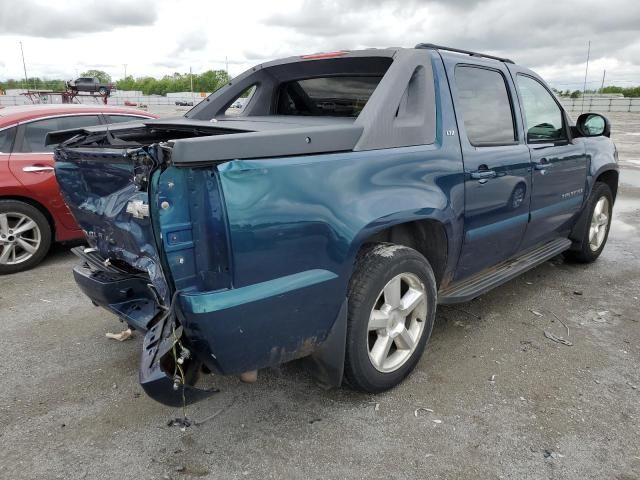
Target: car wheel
[
  {"x": 102, "y": 91},
  {"x": 25, "y": 236},
  {"x": 392, "y": 302},
  {"x": 596, "y": 229}
]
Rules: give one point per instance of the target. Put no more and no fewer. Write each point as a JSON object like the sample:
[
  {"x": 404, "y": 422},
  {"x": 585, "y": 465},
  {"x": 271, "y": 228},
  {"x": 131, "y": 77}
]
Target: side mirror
[{"x": 593, "y": 125}]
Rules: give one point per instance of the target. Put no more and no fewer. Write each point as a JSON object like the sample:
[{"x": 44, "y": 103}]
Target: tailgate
[{"x": 108, "y": 192}]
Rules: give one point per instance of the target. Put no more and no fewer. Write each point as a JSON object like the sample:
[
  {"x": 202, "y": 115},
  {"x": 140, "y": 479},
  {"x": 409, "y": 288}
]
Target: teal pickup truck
[{"x": 354, "y": 192}]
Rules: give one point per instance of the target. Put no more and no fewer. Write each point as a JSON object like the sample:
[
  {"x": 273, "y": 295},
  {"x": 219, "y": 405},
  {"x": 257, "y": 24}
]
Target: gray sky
[{"x": 159, "y": 37}]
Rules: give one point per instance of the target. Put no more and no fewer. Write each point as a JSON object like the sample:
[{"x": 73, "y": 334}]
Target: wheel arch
[
  {"x": 428, "y": 236},
  {"x": 610, "y": 178}
]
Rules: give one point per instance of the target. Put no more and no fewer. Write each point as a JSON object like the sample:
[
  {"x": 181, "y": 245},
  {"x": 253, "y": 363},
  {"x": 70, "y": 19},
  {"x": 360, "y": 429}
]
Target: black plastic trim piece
[{"x": 459, "y": 50}]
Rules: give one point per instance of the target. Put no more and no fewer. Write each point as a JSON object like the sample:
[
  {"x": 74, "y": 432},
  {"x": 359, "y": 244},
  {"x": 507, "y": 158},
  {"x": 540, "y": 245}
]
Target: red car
[{"x": 32, "y": 212}]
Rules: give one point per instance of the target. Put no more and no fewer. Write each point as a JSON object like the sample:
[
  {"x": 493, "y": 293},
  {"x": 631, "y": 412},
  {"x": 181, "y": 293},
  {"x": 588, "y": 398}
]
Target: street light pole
[
  {"x": 191, "y": 77},
  {"x": 24, "y": 65},
  {"x": 586, "y": 71}
]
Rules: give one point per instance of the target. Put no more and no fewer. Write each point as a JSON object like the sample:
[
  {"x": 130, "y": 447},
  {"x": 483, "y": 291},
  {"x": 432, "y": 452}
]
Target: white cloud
[{"x": 163, "y": 36}]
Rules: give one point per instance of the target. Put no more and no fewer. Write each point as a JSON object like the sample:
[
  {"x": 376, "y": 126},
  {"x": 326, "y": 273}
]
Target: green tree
[
  {"x": 576, "y": 94},
  {"x": 103, "y": 77}
]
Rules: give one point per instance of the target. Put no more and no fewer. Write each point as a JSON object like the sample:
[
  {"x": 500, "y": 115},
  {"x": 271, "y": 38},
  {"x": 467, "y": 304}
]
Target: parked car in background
[
  {"x": 32, "y": 212},
  {"x": 183, "y": 103},
  {"x": 354, "y": 193},
  {"x": 90, "y": 84}
]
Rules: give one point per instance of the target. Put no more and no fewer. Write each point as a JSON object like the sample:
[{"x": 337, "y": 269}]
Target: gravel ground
[{"x": 506, "y": 402}]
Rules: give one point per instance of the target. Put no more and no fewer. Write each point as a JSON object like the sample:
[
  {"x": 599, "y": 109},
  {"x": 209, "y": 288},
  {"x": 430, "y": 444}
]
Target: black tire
[
  {"x": 9, "y": 207},
  {"x": 582, "y": 251},
  {"x": 103, "y": 91},
  {"x": 376, "y": 265}
]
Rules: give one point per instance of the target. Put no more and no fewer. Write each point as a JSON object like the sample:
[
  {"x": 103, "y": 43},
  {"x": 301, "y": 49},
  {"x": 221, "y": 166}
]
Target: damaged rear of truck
[{"x": 229, "y": 240}]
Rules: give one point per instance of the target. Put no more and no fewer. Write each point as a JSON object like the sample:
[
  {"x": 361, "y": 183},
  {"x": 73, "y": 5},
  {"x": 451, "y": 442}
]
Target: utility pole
[
  {"x": 24, "y": 65},
  {"x": 125, "y": 71},
  {"x": 191, "y": 76},
  {"x": 604, "y": 74},
  {"x": 226, "y": 64},
  {"x": 586, "y": 70}
]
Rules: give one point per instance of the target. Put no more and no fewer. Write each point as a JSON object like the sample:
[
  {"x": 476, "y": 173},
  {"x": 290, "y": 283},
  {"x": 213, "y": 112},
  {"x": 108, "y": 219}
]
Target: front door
[
  {"x": 559, "y": 163},
  {"x": 496, "y": 163}
]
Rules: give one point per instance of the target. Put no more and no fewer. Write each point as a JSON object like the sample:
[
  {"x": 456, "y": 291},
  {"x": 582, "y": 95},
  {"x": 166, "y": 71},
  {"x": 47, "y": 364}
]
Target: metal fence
[
  {"x": 586, "y": 104},
  {"x": 10, "y": 100},
  {"x": 602, "y": 104}
]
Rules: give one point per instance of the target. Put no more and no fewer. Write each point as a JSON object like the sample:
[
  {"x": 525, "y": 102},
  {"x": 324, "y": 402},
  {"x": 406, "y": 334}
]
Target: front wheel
[
  {"x": 25, "y": 236},
  {"x": 596, "y": 230},
  {"x": 102, "y": 91},
  {"x": 392, "y": 302}
]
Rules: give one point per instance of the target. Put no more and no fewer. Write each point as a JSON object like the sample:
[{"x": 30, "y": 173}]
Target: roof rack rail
[{"x": 458, "y": 50}]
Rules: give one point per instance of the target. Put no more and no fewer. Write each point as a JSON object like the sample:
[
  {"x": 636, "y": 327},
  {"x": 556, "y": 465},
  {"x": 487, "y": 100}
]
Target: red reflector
[{"x": 316, "y": 56}]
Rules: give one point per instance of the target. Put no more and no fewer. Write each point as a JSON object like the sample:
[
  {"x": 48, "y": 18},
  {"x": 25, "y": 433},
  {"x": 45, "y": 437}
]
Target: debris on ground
[
  {"x": 183, "y": 423},
  {"x": 558, "y": 318},
  {"x": 536, "y": 313},
  {"x": 437, "y": 421},
  {"x": 635, "y": 387},
  {"x": 377, "y": 406},
  {"x": 557, "y": 339},
  {"x": 577, "y": 292},
  {"x": 553, "y": 455},
  {"x": 122, "y": 336},
  {"x": 492, "y": 379},
  {"x": 421, "y": 409}
]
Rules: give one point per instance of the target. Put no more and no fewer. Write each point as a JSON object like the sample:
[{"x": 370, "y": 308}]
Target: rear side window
[
  {"x": 484, "y": 102},
  {"x": 35, "y": 133},
  {"x": 6, "y": 139},
  {"x": 542, "y": 113},
  {"x": 342, "y": 96}
]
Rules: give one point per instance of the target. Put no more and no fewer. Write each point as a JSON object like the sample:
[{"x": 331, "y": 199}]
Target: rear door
[
  {"x": 559, "y": 162},
  {"x": 496, "y": 163},
  {"x": 31, "y": 161}
]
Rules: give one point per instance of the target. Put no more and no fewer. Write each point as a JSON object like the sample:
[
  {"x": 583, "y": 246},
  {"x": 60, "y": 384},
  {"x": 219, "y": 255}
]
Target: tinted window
[
  {"x": 121, "y": 118},
  {"x": 6, "y": 139},
  {"x": 485, "y": 106},
  {"x": 35, "y": 132},
  {"x": 542, "y": 114},
  {"x": 326, "y": 96}
]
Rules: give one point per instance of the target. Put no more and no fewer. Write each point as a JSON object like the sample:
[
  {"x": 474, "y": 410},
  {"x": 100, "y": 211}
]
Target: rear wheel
[
  {"x": 102, "y": 91},
  {"x": 25, "y": 236},
  {"x": 596, "y": 229},
  {"x": 392, "y": 301}
]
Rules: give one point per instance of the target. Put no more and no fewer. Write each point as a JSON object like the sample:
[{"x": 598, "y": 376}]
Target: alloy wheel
[
  {"x": 20, "y": 238},
  {"x": 599, "y": 224},
  {"x": 397, "y": 322}
]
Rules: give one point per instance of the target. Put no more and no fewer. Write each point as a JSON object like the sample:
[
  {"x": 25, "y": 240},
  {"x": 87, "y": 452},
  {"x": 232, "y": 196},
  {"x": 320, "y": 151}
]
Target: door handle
[
  {"x": 483, "y": 174},
  {"x": 37, "y": 169}
]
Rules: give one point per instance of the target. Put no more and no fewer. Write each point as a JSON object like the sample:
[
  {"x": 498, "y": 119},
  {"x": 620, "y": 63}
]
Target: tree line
[{"x": 208, "y": 81}]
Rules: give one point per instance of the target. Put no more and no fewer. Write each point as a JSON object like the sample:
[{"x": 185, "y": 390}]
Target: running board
[{"x": 484, "y": 281}]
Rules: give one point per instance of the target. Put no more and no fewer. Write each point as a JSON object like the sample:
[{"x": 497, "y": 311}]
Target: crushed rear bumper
[{"x": 132, "y": 298}]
